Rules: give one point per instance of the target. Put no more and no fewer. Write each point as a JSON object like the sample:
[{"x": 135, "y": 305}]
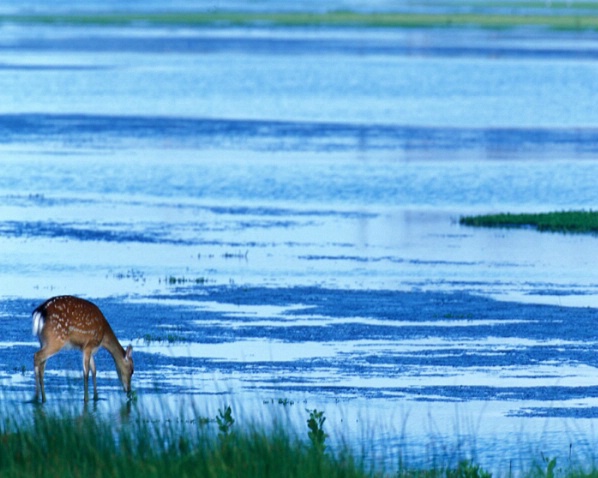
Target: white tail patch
[{"x": 38, "y": 323}]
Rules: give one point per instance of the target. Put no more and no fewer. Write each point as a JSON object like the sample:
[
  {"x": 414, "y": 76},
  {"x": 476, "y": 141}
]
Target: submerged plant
[
  {"x": 285, "y": 401},
  {"x": 172, "y": 280}
]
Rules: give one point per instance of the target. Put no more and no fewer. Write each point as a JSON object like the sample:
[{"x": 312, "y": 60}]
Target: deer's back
[{"x": 70, "y": 320}]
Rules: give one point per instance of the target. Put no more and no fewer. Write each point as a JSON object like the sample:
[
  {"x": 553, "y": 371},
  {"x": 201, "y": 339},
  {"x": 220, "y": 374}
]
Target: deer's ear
[{"x": 129, "y": 352}]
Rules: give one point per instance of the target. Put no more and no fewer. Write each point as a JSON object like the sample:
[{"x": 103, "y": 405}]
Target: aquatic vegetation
[
  {"x": 235, "y": 255},
  {"x": 64, "y": 443},
  {"x": 564, "y": 221},
  {"x": 133, "y": 274},
  {"x": 172, "y": 280},
  {"x": 316, "y": 434},
  {"x": 225, "y": 421},
  {"x": 569, "y": 19},
  {"x": 550, "y": 467},
  {"x": 169, "y": 338},
  {"x": 285, "y": 401}
]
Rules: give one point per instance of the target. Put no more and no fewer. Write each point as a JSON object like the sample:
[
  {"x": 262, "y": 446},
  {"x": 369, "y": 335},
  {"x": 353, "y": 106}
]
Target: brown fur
[{"x": 69, "y": 321}]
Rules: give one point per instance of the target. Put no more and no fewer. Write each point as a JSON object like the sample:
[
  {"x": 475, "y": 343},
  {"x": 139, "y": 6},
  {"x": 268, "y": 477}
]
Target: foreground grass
[
  {"x": 67, "y": 445},
  {"x": 571, "y": 20},
  {"x": 564, "y": 221}
]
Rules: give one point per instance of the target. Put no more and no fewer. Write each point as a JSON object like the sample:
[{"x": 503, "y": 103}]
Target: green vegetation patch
[
  {"x": 552, "y": 6},
  {"x": 68, "y": 444},
  {"x": 81, "y": 446},
  {"x": 573, "y": 20},
  {"x": 564, "y": 221}
]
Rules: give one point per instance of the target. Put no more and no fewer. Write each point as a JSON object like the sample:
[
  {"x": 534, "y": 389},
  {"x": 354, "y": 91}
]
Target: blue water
[
  {"x": 474, "y": 80},
  {"x": 476, "y": 6},
  {"x": 275, "y": 213}
]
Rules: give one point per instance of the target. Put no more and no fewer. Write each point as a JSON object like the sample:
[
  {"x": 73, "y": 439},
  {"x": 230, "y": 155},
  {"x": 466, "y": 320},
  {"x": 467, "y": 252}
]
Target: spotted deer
[{"x": 68, "y": 321}]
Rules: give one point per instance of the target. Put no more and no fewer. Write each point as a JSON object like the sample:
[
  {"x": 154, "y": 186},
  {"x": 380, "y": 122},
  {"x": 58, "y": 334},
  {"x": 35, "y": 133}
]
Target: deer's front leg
[
  {"x": 92, "y": 366},
  {"x": 86, "y": 363}
]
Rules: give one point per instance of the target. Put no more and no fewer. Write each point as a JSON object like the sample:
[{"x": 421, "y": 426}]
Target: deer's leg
[
  {"x": 86, "y": 364},
  {"x": 39, "y": 365},
  {"x": 92, "y": 366}
]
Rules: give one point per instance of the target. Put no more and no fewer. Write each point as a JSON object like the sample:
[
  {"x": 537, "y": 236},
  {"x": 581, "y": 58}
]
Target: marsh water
[{"x": 271, "y": 217}]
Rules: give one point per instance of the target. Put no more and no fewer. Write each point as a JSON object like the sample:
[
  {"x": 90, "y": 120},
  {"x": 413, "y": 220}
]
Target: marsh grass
[
  {"x": 565, "y": 20},
  {"x": 66, "y": 445},
  {"x": 52, "y": 443},
  {"x": 564, "y": 221}
]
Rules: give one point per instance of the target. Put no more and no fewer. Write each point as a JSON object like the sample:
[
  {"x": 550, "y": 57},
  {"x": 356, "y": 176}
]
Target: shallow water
[{"x": 273, "y": 214}]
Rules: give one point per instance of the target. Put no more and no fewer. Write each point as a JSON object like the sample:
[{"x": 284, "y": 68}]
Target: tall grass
[{"x": 64, "y": 444}]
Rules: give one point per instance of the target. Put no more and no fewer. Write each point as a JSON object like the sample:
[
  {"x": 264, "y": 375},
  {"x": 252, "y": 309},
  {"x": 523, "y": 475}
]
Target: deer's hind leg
[{"x": 39, "y": 366}]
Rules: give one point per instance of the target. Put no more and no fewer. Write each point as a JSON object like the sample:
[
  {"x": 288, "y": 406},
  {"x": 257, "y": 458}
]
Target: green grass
[
  {"x": 563, "y": 221},
  {"x": 67, "y": 444},
  {"x": 571, "y": 20},
  {"x": 548, "y": 6}
]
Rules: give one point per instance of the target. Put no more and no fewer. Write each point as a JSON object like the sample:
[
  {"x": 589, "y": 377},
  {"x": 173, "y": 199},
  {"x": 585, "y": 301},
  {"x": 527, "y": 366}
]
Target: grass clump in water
[{"x": 564, "y": 221}]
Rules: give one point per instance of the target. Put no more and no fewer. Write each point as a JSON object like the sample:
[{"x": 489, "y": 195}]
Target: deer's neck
[{"x": 113, "y": 346}]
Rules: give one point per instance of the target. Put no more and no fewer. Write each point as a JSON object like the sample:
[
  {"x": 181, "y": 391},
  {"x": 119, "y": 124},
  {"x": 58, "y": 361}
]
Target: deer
[{"x": 71, "y": 322}]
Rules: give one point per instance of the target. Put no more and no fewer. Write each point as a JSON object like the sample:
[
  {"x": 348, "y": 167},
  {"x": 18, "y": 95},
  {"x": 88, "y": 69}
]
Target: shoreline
[{"x": 578, "y": 21}]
